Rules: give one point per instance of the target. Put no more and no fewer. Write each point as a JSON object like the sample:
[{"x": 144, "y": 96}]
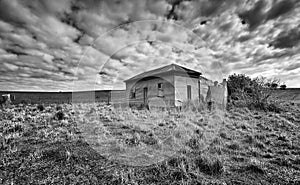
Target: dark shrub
[
  {"x": 234, "y": 146},
  {"x": 149, "y": 140},
  {"x": 255, "y": 167},
  {"x": 177, "y": 161},
  {"x": 59, "y": 115},
  {"x": 13, "y": 129},
  {"x": 209, "y": 165},
  {"x": 194, "y": 143},
  {"x": 40, "y": 107},
  {"x": 252, "y": 93},
  {"x": 283, "y": 87},
  {"x": 274, "y": 108},
  {"x": 58, "y": 107}
]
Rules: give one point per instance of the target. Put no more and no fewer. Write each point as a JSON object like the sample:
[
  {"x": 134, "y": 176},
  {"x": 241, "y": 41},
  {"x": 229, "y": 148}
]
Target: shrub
[
  {"x": 283, "y": 87},
  {"x": 40, "y": 107},
  {"x": 134, "y": 140},
  {"x": 195, "y": 143},
  {"x": 209, "y": 165},
  {"x": 59, "y": 115},
  {"x": 234, "y": 146},
  {"x": 255, "y": 166},
  {"x": 252, "y": 93},
  {"x": 59, "y": 108},
  {"x": 238, "y": 84},
  {"x": 274, "y": 108}
]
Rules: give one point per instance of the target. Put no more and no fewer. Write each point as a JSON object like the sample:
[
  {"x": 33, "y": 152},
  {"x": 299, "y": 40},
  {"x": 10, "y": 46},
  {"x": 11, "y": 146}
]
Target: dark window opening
[
  {"x": 160, "y": 90},
  {"x": 133, "y": 93},
  {"x": 145, "y": 96},
  {"x": 189, "y": 92},
  {"x": 159, "y": 85}
]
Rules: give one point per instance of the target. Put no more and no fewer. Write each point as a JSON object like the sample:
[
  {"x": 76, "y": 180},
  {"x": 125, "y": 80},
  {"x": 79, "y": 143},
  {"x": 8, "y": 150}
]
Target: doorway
[
  {"x": 145, "y": 96},
  {"x": 189, "y": 92}
]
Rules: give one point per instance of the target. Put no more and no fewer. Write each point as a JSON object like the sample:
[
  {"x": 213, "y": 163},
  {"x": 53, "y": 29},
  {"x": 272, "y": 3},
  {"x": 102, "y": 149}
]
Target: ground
[{"x": 100, "y": 144}]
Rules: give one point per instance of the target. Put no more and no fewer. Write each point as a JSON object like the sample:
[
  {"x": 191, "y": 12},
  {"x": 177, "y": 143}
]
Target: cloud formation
[{"x": 86, "y": 44}]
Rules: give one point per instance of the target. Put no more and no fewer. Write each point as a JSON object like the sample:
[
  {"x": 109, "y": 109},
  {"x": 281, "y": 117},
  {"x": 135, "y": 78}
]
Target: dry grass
[{"x": 99, "y": 144}]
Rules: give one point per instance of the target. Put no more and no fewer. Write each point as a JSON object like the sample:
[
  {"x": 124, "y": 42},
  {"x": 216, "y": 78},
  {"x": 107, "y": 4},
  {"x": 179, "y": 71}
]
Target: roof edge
[{"x": 173, "y": 64}]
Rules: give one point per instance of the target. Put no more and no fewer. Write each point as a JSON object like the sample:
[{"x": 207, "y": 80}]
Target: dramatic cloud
[
  {"x": 55, "y": 45},
  {"x": 287, "y": 39}
]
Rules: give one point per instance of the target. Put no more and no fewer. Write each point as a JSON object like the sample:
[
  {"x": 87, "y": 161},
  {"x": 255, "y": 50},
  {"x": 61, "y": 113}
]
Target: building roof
[{"x": 165, "y": 69}]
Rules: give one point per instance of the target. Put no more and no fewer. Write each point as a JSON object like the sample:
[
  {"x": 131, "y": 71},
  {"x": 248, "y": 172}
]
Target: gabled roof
[{"x": 165, "y": 69}]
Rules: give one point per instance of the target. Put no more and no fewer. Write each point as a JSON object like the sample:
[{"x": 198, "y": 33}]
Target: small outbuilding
[{"x": 168, "y": 86}]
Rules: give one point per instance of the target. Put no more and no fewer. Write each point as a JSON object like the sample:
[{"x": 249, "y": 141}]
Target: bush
[
  {"x": 209, "y": 165},
  {"x": 252, "y": 93},
  {"x": 59, "y": 115},
  {"x": 59, "y": 108},
  {"x": 274, "y": 108},
  {"x": 194, "y": 143},
  {"x": 283, "y": 87},
  {"x": 40, "y": 107}
]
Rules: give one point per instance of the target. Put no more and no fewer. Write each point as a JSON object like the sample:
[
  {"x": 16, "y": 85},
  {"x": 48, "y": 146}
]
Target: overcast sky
[{"x": 64, "y": 45}]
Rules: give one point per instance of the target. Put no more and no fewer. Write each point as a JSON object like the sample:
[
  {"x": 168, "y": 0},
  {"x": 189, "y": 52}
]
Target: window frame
[
  {"x": 189, "y": 92},
  {"x": 133, "y": 93},
  {"x": 160, "y": 90}
]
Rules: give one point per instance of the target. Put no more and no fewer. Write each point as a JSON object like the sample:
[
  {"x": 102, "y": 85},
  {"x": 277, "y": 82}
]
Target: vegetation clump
[
  {"x": 209, "y": 165},
  {"x": 59, "y": 115},
  {"x": 253, "y": 93},
  {"x": 40, "y": 107}
]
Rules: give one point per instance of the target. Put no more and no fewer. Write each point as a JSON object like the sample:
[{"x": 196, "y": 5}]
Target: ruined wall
[
  {"x": 204, "y": 86},
  {"x": 181, "y": 83},
  {"x": 175, "y": 91},
  {"x": 218, "y": 94},
  {"x": 208, "y": 90},
  {"x": 152, "y": 85}
]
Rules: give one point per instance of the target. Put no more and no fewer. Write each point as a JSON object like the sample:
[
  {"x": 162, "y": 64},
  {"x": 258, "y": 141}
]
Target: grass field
[
  {"x": 99, "y": 144},
  {"x": 292, "y": 94}
]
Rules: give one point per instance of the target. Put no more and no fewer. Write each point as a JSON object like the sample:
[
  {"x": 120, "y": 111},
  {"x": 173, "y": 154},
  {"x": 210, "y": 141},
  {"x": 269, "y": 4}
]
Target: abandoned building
[
  {"x": 172, "y": 85},
  {"x": 168, "y": 86}
]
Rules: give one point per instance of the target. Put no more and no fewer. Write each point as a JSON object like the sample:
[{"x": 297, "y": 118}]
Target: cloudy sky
[{"x": 65, "y": 45}]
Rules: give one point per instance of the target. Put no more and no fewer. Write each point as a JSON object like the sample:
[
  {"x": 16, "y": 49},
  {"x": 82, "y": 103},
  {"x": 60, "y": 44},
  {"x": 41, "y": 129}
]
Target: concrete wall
[
  {"x": 181, "y": 83},
  {"x": 152, "y": 85},
  {"x": 218, "y": 94},
  {"x": 204, "y": 86},
  {"x": 208, "y": 91}
]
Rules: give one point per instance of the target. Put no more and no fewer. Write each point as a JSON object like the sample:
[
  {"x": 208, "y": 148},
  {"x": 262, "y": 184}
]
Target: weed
[
  {"x": 59, "y": 115},
  {"x": 234, "y": 146},
  {"x": 59, "y": 107},
  {"x": 194, "y": 143},
  {"x": 40, "y": 107},
  {"x": 255, "y": 166},
  {"x": 133, "y": 140},
  {"x": 209, "y": 165}
]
